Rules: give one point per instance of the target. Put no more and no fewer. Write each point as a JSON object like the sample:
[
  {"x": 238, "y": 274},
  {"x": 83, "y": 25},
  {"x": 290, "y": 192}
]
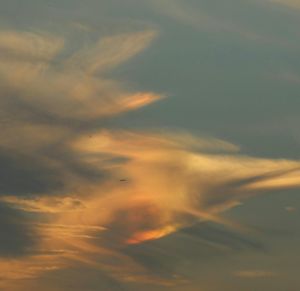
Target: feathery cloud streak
[{"x": 90, "y": 192}]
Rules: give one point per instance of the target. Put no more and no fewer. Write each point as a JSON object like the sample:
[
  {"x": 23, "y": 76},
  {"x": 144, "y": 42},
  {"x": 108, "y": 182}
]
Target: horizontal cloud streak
[
  {"x": 254, "y": 274},
  {"x": 291, "y": 3}
]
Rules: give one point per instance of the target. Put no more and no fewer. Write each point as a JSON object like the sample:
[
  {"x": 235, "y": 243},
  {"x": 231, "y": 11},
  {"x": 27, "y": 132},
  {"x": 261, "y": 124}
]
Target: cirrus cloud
[{"x": 90, "y": 193}]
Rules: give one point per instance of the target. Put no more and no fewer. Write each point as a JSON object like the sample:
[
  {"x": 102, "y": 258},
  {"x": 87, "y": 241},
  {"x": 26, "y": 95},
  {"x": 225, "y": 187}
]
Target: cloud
[
  {"x": 71, "y": 89},
  {"x": 18, "y": 237},
  {"x": 222, "y": 238},
  {"x": 200, "y": 19},
  {"x": 46, "y": 101},
  {"x": 290, "y": 209},
  {"x": 43, "y": 204},
  {"x": 288, "y": 76},
  {"x": 110, "y": 52},
  {"x": 222, "y": 20},
  {"x": 94, "y": 196},
  {"x": 28, "y": 47},
  {"x": 290, "y": 3},
  {"x": 250, "y": 274},
  {"x": 169, "y": 187},
  {"x": 24, "y": 175}
]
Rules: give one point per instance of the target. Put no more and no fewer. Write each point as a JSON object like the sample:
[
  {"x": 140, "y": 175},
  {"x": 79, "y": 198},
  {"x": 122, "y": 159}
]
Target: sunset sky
[{"x": 149, "y": 145}]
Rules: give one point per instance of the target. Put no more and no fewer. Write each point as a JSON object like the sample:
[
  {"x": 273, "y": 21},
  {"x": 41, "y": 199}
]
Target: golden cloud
[
  {"x": 157, "y": 182},
  {"x": 163, "y": 186}
]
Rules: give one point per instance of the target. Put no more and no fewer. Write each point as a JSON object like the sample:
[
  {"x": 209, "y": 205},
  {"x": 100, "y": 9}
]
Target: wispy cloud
[
  {"x": 288, "y": 76},
  {"x": 160, "y": 187},
  {"x": 290, "y": 3},
  {"x": 255, "y": 274},
  {"x": 90, "y": 192},
  {"x": 200, "y": 19},
  {"x": 72, "y": 88},
  {"x": 46, "y": 101}
]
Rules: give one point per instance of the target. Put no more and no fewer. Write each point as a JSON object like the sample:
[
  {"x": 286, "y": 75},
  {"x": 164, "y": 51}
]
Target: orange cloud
[
  {"x": 163, "y": 185},
  {"x": 74, "y": 88},
  {"x": 156, "y": 183}
]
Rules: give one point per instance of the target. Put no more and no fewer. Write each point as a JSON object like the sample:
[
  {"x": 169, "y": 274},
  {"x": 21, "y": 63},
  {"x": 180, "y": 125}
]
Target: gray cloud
[
  {"x": 24, "y": 175},
  {"x": 18, "y": 237}
]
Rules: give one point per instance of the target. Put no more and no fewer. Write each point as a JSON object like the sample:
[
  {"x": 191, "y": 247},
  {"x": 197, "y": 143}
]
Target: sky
[{"x": 149, "y": 145}]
